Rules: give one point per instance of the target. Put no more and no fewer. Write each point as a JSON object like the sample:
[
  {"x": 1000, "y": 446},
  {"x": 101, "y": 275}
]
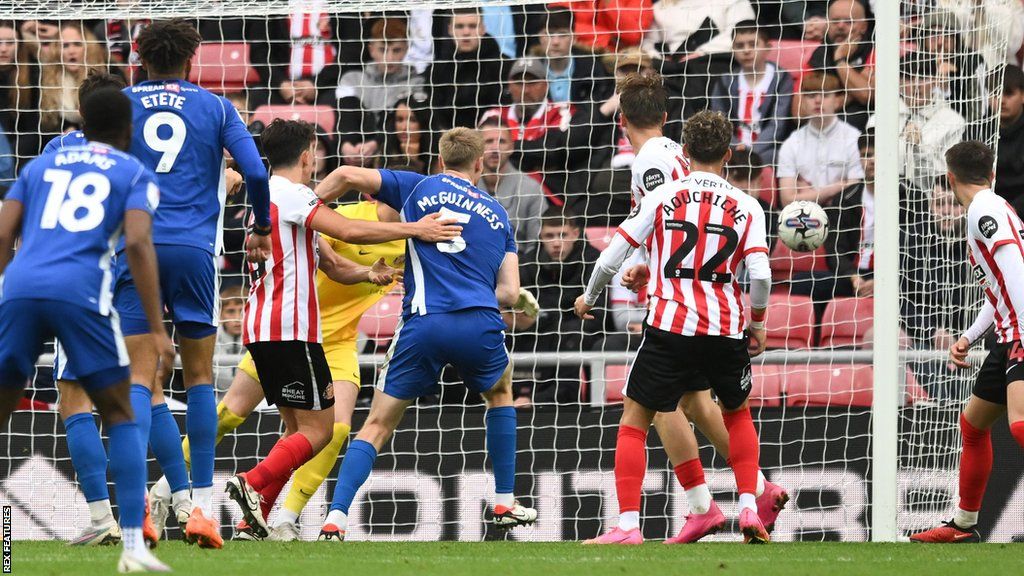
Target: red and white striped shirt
[
  {"x": 698, "y": 230},
  {"x": 658, "y": 161},
  {"x": 750, "y": 98},
  {"x": 548, "y": 116},
  {"x": 283, "y": 302},
  {"x": 310, "y": 33},
  {"x": 991, "y": 225}
]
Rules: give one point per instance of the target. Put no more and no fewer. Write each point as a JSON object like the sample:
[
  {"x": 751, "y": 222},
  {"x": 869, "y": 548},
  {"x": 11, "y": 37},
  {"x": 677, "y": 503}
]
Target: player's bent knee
[{"x": 73, "y": 400}]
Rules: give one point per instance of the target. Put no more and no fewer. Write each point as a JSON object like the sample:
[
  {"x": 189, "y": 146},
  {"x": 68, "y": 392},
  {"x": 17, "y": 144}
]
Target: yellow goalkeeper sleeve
[
  {"x": 311, "y": 475},
  {"x": 226, "y": 422}
]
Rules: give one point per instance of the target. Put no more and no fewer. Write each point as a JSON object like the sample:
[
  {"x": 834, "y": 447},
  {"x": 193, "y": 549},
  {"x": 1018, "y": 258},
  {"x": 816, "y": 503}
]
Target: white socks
[
  {"x": 202, "y": 498},
  {"x": 506, "y": 500},
  {"x": 965, "y": 519},
  {"x": 286, "y": 516},
  {"x": 181, "y": 500},
  {"x": 699, "y": 498},
  {"x": 100, "y": 514},
  {"x": 629, "y": 520},
  {"x": 162, "y": 488},
  {"x": 132, "y": 540},
  {"x": 338, "y": 518},
  {"x": 760, "y": 483},
  {"x": 748, "y": 501}
]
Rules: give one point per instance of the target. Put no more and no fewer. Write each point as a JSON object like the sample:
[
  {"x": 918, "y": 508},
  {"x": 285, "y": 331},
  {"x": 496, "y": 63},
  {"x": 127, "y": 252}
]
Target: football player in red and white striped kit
[
  {"x": 995, "y": 237},
  {"x": 643, "y": 103},
  {"x": 697, "y": 231},
  {"x": 282, "y": 314}
]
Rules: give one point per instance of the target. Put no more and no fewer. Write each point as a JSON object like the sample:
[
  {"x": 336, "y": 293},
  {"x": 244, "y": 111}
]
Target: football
[{"x": 803, "y": 226}]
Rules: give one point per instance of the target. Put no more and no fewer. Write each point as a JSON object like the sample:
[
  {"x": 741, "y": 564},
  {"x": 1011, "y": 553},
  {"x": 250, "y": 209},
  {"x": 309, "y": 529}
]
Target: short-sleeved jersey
[
  {"x": 282, "y": 303},
  {"x": 74, "y": 206},
  {"x": 697, "y": 232},
  {"x": 991, "y": 224},
  {"x": 660, "y": 160},
  {"x": 73, "y": 138},
  {"x": 181, "y": 131},
  {"x": 459, "y": 274},
  {"x": 341, "y": 305}
]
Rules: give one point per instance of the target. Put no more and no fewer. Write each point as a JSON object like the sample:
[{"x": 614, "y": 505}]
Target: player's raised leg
[{"x": 385, "y": 413}]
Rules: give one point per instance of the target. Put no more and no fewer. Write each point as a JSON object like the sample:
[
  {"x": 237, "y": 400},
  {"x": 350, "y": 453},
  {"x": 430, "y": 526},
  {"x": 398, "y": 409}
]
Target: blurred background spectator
[
  {"x": 573, "y": 74},
  {"x": 848, "y": 54},
  {"x": 229, "y": 333},
  {"x": 521, "y": 196},
  {"x": 609, "y": 24},
  {"x": 1010, "y": 155},
  {"x": 409, "y": 136},
  {"x": 928, "y": 125},
  {"x": 691, "y": 28}
]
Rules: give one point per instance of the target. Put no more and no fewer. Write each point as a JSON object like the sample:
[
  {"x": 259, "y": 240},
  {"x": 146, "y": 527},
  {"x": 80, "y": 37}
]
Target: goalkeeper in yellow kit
[{"x": 341, "y": 307}]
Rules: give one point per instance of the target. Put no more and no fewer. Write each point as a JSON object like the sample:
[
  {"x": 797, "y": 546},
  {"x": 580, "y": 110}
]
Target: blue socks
[
  {"x": 501, "y": 447},
  {"x": 201, "y": 426},
  {"x": 165, "y": 440},
  {"x": 355, "y": 469},
  {"x": 129, "y": 471},
  {"x": 141, "y": 398},
  {"x": 88, "y": 456}
]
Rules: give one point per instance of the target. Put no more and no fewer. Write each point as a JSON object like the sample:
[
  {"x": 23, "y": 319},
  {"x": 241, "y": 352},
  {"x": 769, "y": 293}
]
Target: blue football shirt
[
  {"x": 73, "y": 138},
  {"x": 454, "y": 275},
  {"x": 180, "y": 132},
  {"x": 74, "y": 205}
]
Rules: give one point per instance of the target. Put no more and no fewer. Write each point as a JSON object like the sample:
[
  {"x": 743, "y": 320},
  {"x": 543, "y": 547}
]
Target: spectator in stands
[
  {"x": 78, "y": 51},
  {"x": 744, "y": 171},
  {"x": 960, "y": 72},
  {"x": 819, "y": 159},
  {"x": 324, "y": 156},
  {"x": 229, "y": 333},
  {"x": 363, "y": 95},
  {"x": 757, "y": 95},
  {"x": 685, "y": 29},
  {"x": 6, "y": 163},
  {"x": 468, "y": 73},
  {"x": 303, "y": 55},
  {"x": 1010, "y": 160},
  {"x": 848, "y": 54},
  {"x": 556, "y": 274},
  {"x": 573, "y": 74},
  {"x": 409, "y": 137},
  {"x": 552, "y": 138},
  {"x": 928, "y": 125},
  {"x": 610, "y": 24},
  {"x": 8, "y": 74},
  {"x": 241, "y": 103},
  {"x": 521, "y": 196}
]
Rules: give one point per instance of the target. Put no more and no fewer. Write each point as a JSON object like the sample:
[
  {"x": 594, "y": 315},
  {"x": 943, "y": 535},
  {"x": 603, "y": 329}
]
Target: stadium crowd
[{"x": 795, "y": 77}]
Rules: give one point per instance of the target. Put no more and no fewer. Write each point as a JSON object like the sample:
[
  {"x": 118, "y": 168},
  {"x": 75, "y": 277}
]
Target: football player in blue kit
[
  {"x": 80, "y": 199},
  {"x": 180, "y": 132},
  {"x": 450, "y": 315}
]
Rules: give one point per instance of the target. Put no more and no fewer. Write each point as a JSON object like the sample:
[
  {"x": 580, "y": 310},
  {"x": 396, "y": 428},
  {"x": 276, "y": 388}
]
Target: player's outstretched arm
[
  {"x": 605, "y": 269},
  {"x": 431, "y": 228},
  {"x": 138, "y": 247},
  {"x": 507, "y": 289},
  {"x": 760, "y": 273},
  {"x": 345, "y": 178},
  {"x": 10, "y": 229},
  {"x": 344, "y": 271}
]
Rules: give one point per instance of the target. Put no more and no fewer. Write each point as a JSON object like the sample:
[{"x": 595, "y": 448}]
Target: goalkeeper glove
[{"x": 527, "y": 303}]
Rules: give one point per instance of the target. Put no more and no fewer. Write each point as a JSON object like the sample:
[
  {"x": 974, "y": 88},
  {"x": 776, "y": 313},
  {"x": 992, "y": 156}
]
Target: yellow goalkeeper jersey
[{"x": 341, "y": 306}]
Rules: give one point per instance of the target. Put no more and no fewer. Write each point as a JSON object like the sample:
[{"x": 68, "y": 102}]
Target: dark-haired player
[
  {"x": 282, "y": 314},
  {"x": 79, "y": 199},
  {"x": 698, "y": 231},
  {"x": 643, "y": 107},
  {"x": 181, "y": 131},
  {"x": 995, "y": 237}
]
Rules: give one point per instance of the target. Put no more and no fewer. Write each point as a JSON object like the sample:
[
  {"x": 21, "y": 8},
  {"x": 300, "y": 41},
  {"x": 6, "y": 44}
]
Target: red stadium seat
[
  {"x": 790, "y": 322},
  {"x": 791, "y": 55},
  {"x": 599, "y": 236},
  {"x": 223, "y": 68},
  {"x": 785, "y": 262},
  {"x": 835, "y": 385},
  {"x": 846, "y": 321},
  {"x": 614, "y": 382},
  {"x": 768, "y": 191},
  {"x": 322, "y": 116},
  {"x": 381, "y": 320},
  {"x": 766, "y": 386}
]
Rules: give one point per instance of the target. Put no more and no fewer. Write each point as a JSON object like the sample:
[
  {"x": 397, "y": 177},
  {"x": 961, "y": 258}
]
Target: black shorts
[
  {"x": 669, "y": 365},
  {"x": 294, "y": 374},
  {"x": 1003, "y": 365}
]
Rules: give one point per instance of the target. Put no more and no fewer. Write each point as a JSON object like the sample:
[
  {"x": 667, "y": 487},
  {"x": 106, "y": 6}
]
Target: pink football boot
[
  {"x": 618, "y": 536},
  {"x": 770, "y": 503},
  {"x": 700, "y": 525}
]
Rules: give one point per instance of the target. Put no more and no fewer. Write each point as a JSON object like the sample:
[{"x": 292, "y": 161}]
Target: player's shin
[
  {"x": 89, "y": 459},
  {"x": 691, "y": 477},
  {"x": 287, "y": 455},
  {"x": 355, "y": 469},
  {"x": 308, "y": 478},
  {"x": 201, "y": 425},
  {"x": 630, "y": 467},
  {"x": 501, "y": 447},
  {"x": 744, "y": 453},
  {"x": 141, "y": 398},
  {"x": 165, "y": 440},
  {"x": 975, "y": 467}
]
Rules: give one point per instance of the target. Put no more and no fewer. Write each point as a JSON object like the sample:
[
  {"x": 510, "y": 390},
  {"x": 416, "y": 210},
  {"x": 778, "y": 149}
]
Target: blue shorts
[
  {"x": 91, "y": 341},
  {"x": 473, "y": 341},
  {"x": 188, "y": 287}
]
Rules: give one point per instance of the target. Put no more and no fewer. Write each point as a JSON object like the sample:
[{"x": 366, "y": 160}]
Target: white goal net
[{"x": 382, "y": 81}]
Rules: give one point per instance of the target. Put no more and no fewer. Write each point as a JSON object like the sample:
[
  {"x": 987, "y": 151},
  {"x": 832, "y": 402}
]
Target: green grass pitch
[{"x": 465, "y": 559}]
